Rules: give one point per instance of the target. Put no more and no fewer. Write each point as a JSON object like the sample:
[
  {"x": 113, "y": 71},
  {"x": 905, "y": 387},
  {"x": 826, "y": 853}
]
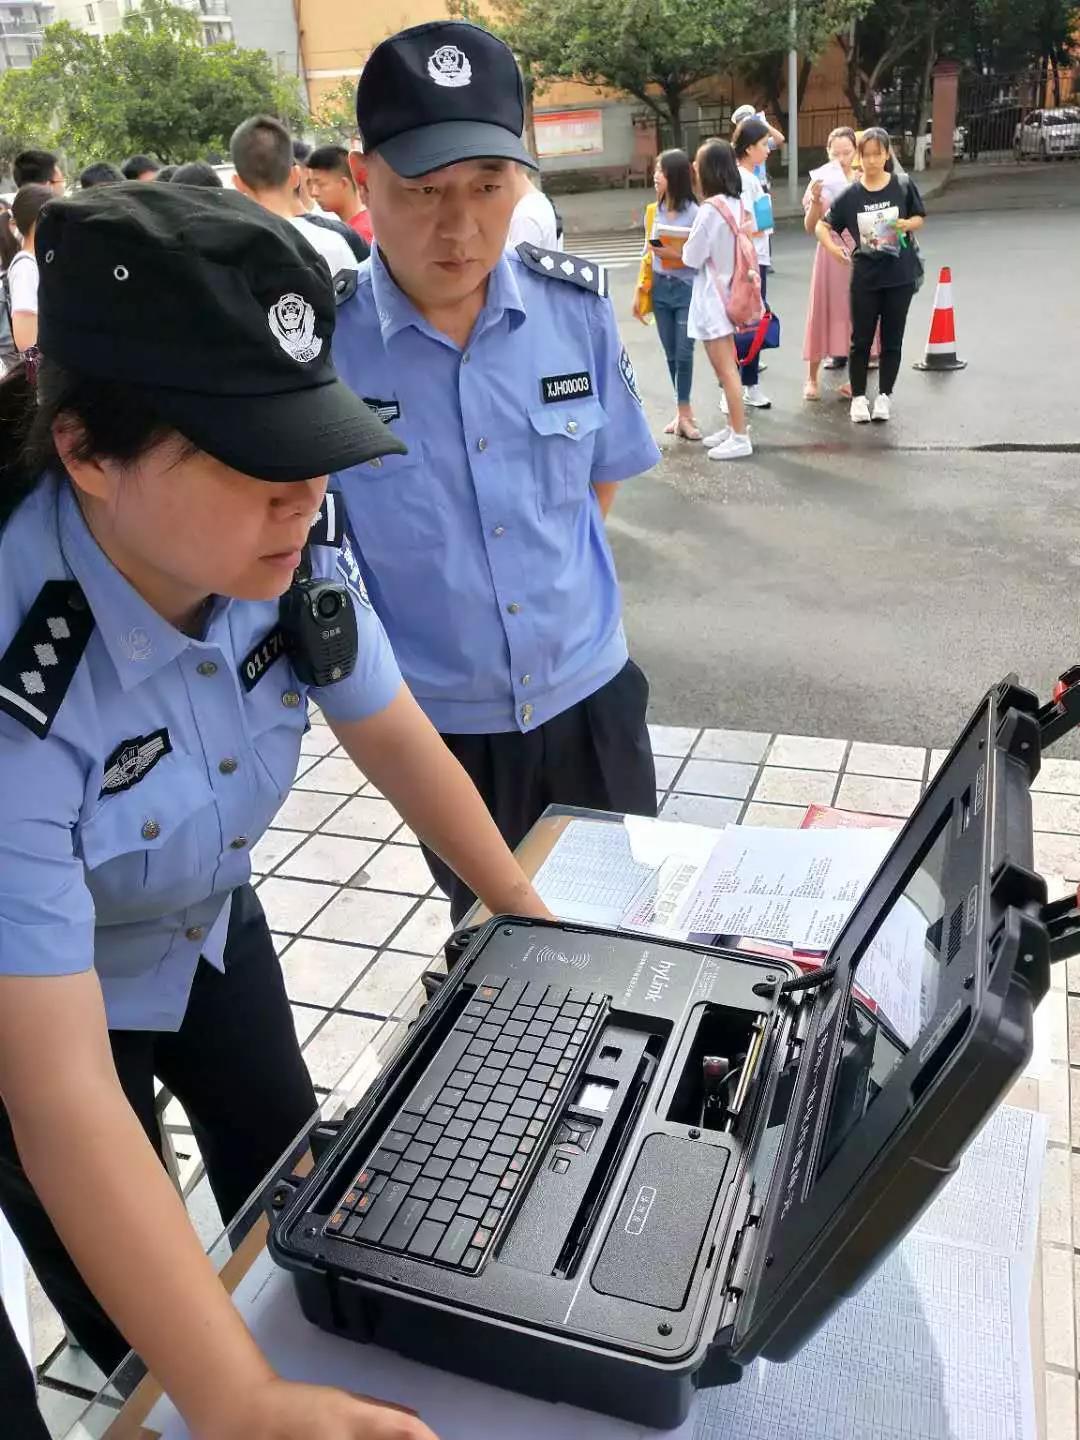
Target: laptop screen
[{"x": 897, "y": 985}]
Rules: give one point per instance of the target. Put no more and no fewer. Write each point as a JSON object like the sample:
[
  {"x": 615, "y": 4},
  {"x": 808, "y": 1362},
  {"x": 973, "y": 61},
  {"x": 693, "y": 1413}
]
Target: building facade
[
  {"x": 22, "y": 27},
  {"x": 105, "y": 17}
]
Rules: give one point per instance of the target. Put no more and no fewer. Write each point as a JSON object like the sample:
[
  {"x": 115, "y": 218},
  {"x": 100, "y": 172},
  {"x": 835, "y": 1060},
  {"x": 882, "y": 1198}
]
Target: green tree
[
  {"x": 659, "y": 51},
  {"x": 334, "y": 117},
  {"x": 152, "y": 86}
]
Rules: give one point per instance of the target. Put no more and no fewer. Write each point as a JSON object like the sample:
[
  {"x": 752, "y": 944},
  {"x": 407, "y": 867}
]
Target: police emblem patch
[
  {"x": 626, "y": 370},
  {"x": 292, "y": 324},
  {"x": 448, "y": 66},
  {"x": 132, "y": 761}
]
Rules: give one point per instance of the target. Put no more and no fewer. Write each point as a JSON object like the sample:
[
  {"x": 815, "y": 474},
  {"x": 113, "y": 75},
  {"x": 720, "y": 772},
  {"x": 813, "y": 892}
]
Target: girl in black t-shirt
[{"x": 879, "y": 212}]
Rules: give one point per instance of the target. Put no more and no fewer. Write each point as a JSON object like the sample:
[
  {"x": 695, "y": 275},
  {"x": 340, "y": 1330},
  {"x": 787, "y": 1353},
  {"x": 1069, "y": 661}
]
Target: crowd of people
[
  {"x": 863, "y": 212},
  {"x": 314, "y": 187}
]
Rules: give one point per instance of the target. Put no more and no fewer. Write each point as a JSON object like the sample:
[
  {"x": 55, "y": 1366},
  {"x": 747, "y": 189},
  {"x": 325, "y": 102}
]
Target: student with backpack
[{"x": 727, "y": 285}]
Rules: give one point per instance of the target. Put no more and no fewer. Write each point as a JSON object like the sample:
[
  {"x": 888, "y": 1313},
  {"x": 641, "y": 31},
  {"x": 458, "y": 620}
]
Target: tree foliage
[
  {"x": 152, "y": 86},
  {"x": 334, "y": 117},
  {"x": 660, "y": 50}
]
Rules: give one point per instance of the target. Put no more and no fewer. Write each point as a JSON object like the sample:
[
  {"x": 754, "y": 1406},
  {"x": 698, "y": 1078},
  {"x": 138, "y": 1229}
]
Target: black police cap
[
  {"x": 436, "y": 94},
  {"x": 220, "y": 313}
]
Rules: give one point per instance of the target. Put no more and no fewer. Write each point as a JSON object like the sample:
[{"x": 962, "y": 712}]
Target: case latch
[
  {"x": 1062, "y": 713},
  {"x": 742, "y": 1256},
  {"x": 1062, "y": 921}
]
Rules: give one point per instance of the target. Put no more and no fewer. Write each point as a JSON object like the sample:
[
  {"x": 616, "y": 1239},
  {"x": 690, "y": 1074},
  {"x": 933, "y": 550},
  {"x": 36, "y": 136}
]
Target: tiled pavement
[{"x": 356, "y": 918}]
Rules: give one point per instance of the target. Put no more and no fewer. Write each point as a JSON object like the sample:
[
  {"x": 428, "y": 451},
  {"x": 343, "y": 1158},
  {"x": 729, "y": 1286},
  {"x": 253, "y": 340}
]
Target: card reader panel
[{"x": 652, "y": 1248}]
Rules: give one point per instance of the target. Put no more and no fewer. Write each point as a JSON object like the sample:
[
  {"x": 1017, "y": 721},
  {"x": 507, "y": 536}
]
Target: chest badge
[
  {"x": 574, "y": 386},
  {"x": 386, "y": 410},
  {"x": 132, "y": 761}
]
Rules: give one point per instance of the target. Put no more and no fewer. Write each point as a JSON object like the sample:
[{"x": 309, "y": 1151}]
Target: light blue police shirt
[
  {"x": 484, "y": 548},
  {"x": 124, "y": 830}
]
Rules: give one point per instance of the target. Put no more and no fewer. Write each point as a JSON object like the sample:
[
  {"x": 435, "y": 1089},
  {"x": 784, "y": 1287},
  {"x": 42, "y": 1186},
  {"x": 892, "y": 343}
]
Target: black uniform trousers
[
  {"x": 597, "y": 755},
  {"x": 234, "y": 1065}
]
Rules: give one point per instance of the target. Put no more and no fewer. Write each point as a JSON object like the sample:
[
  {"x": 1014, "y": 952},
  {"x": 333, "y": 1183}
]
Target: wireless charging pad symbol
[{"x": 578, "y": 961}]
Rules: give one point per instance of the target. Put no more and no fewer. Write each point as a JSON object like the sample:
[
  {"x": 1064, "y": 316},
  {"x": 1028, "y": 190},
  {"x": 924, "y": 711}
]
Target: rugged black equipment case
[{"x": 783, "y": 1239}]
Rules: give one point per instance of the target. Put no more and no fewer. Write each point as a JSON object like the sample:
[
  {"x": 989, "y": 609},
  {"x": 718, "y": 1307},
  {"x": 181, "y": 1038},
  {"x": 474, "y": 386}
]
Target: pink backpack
[{"x": 743, "y": 301}]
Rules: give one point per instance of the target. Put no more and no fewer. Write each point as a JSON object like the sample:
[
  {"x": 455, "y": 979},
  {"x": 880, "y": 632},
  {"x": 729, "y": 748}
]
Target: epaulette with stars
[
  {"x": 586, "y": 274},
  {"x": 39, "y": 665}
]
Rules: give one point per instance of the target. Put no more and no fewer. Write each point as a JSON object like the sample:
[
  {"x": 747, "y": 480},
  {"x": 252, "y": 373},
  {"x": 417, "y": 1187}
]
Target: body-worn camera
[{"x": 319, "y": 626}]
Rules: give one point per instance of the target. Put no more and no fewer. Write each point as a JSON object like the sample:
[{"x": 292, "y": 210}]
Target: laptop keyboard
[{"x": 439, "y": 1185}]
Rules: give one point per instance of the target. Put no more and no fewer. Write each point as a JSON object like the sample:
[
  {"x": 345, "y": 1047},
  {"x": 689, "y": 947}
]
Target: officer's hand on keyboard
[{"x": 283, "y": 1410}]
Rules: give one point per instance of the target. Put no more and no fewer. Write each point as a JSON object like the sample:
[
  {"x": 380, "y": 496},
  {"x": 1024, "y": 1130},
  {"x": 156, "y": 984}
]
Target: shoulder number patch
[
  {"x": 40, "y": 663},
  {"x": 257, "y": 662},
  {"x": 132, "y": 760},
  {"x": 554, "y": 388},
  {"x": 626, "y": 370},
  {"x": 328, "y": 526},
  {"x": 350, "y": 570}
]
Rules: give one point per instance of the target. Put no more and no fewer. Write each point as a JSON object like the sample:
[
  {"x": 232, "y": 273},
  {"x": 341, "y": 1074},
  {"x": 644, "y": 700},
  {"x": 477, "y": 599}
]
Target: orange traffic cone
[{"x": 941, "y": 346}]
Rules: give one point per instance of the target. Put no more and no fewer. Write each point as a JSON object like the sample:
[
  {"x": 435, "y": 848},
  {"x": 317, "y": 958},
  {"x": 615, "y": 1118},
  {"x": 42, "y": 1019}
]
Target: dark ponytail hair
[
  {"x": 718, "y": 174},
  {"x": 28, "y": 205},
  {"x": 110, "y": 421},
  {"x": 9, "y": 241}
]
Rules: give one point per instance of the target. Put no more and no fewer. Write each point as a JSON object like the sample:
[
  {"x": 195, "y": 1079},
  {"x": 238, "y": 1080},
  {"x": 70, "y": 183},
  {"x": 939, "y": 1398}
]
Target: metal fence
[{"x": 1016, "y": 117}]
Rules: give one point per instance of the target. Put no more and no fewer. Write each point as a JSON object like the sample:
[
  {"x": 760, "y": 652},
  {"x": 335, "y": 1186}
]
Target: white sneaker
[
  {"x": 723, "y": 404},
  {"x": 735, "y": 447},
  {"x": 860, "y": 410},
  {"x": 882, "y": 408},
  {"x": 753, "y": 396},
  {"x": 711, "y": 441}
]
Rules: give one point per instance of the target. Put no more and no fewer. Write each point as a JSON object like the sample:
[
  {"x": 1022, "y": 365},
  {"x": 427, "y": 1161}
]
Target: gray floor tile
[
  {"x": 386, "y": 983},
  {"x": 716, "y": 777},
  {"x": 362, "y": 917},
  {"x": 1056, "y": 812},
  {"x": 319, "y": 740},
  {"x": 1058, "y": 855},
  {"x": 779, "y": 785},
  {"x": 746, "y": 746},
  {"x": 320, "y": 972},
  {"x": 877, "y": 796},
  {"x": 807, "y": 752},
  {"x": 1060, "y": 1406},
  {"x": 336, "y": 1047},
  {"x": 667, "y": 767},
  {"x": 897, "y": 762},
  {"x": 395, "y": 867},
  {"x": 672, "y": 739},
  {"x": 290, "y": 904},
  {"x": 331, "y": 858},
  {"x": 365, "y": 819},
  {"x": 305, "y": 810},
  {"x": 334, "y": 774},
  {"x": 701, "y": 809},
  {"x": 1061, "y": 776},
  {"x": 273, "y": 848},
  {"x": 306, "y": 1018},
  {"x": 425, "y": 932},
  {"x": 788, "y": 817}
]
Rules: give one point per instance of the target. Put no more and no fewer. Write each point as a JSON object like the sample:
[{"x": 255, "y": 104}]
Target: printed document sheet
[{"x": 936, "y": 1345}]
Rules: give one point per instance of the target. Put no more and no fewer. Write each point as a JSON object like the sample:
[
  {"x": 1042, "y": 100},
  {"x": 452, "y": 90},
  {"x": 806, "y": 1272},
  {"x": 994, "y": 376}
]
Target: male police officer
[{"x": 484, "y": 547}]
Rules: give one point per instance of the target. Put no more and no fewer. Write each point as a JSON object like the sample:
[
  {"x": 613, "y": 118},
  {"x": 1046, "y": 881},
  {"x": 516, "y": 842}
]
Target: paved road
[{"x": 873, "y": 582}]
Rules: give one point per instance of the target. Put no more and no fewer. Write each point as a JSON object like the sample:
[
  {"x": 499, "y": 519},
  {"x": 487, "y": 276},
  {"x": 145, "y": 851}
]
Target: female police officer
[{"x": 152, "y": 701}]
